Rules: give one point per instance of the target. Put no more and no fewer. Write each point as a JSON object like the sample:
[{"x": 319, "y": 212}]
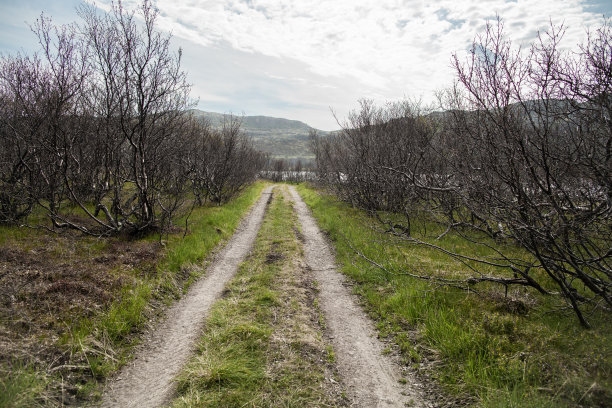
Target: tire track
[
  {"x": 372, "y": 379},
  {"x": 147, "y": 381}
]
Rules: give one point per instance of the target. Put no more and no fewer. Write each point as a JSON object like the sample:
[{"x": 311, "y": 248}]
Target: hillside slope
[{"x": 282, "y": 138}]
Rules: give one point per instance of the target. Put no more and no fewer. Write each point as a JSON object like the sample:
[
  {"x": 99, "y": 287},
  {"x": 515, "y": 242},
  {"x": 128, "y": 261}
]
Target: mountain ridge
[{"x": 280, "y": 137}]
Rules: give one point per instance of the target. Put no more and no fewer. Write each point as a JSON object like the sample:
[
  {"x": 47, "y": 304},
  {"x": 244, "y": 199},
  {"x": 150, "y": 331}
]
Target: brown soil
[{"x": 48, "y": 282}]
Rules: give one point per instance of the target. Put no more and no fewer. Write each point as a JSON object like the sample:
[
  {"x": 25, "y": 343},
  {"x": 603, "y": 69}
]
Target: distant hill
[{"x": 282, "y": 138}]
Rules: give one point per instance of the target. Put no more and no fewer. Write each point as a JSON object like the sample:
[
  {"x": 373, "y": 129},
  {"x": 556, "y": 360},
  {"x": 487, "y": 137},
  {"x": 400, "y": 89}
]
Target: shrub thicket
[
  {"x": 521, "y": 153},
  {"x": 96, "y": 124}
]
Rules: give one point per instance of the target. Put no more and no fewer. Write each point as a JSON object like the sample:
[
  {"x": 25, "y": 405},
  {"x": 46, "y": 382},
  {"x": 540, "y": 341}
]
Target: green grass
[
  {"x": 104, "y": 340},
  {"x": 484, "y": 352},
  {"x": 21, "y": 387},
  {"x": 251, "y": 353},
  {"x": 208, "y": 227}
]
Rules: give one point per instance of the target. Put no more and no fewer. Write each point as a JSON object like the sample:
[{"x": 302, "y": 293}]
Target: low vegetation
[
  {"x": 263, "y": 343},
  {"x": 482, "y": 347},
  {"x": 72, "y": 306}
]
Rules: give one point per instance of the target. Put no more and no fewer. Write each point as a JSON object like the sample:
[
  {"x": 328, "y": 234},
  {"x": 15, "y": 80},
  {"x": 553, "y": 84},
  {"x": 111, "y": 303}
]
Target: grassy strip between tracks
[
  {"x": 489, "y": 350},
  {"x": 73, "y": 306},
  {"x": 263, "y": 343}
]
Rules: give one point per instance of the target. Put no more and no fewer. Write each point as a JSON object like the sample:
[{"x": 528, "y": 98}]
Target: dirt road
[
  {"x": 372, "y": 379},
  {"x": 147, "y": 380}
]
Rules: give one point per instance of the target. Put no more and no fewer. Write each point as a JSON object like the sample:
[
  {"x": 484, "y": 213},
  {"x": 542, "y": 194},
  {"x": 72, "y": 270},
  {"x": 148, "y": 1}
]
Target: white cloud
[
  {"x": 332, "y": 52},
  {"x": 373, "y": 41}
]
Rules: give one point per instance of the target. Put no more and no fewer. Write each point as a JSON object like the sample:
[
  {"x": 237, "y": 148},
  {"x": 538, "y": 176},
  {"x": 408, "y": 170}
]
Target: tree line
[
  {"x": 97, "y": 120},
  {"x": 519, "y": 150},
  {"x": 290, "y": 170}
]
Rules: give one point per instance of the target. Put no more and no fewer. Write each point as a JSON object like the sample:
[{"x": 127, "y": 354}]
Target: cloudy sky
[{"x": 301, "y": 59}]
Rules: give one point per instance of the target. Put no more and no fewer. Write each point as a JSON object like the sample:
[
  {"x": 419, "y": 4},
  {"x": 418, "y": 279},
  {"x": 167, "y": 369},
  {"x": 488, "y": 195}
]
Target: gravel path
[
  {"x": 147, "y": 380},
  {"x": 372, "y": 379}
]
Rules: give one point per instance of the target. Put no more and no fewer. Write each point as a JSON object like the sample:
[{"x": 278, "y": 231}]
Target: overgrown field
[
  {"x": 263, "y": 344},
  {"x": 487, "y": 348},
  {"x": 71, "y": 305}
]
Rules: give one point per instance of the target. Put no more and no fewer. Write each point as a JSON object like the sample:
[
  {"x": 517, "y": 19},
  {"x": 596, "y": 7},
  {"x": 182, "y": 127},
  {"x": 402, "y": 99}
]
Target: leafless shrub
[
  {"x": 226, "y": 161},
  {"x": 139, "y": 94},
  {"x": 522, "y": 154},
  {"x": 290, "y": 170},
  {"x": 539, "y": 136},
  {"x": 17, "y": 149},
  {"x": 380, "y": 157},
  {"x": 94, "y": 129}
]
